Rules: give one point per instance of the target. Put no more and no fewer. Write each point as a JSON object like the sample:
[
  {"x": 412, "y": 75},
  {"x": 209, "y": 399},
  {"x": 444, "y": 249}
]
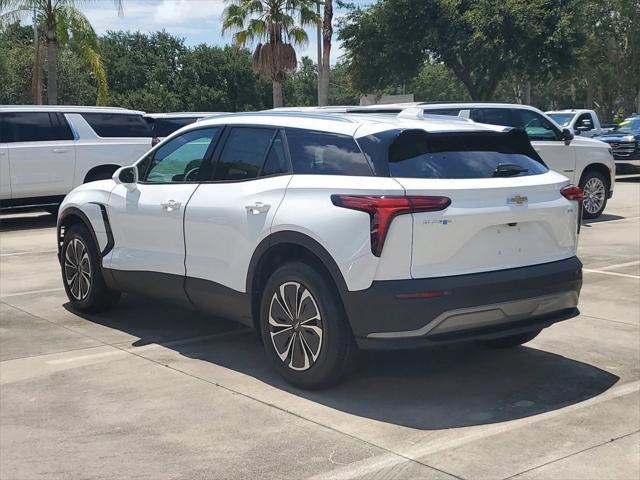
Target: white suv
[
  {"x": 587, "y": 162},
  {"x": 46, "y": 151},
  {"x": 328, "y": 232}
]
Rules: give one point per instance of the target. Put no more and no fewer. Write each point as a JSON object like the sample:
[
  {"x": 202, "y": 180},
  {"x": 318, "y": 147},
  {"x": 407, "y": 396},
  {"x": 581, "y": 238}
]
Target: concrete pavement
[{"x": 148, "y": 390}]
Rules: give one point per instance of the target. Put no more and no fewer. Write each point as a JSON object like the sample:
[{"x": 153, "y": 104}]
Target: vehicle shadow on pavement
[
  {"x": 430, "y": 389},
  {"x": 605, "y": 217},
  {"x": 13, "y": 222}
]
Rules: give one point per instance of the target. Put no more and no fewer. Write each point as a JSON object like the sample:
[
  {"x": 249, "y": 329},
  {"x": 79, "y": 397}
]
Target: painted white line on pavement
[
  {"x": 615, "y": 274},
  {"x": 31, "y": 292},
  {"x": 26, "y": 253},
  {"x": 620, "y": 265},
  {"x": 387, "y": 460},
  {"x": 142, "y": 349}
]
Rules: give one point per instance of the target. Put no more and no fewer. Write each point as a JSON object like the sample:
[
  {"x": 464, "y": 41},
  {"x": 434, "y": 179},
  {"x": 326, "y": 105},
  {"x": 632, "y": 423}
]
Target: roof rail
[
  {"x": 417, "y": 113},
  {"x": 312, "y": 115}
]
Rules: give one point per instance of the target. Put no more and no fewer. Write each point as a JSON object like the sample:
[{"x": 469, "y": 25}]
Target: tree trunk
[
  {"x": 527, "y": 92},
  {"x": 327, "y": 33},
  {"x": 36, "y": 84},
  {"x": 52, "y": 67},
  {"x": 277, "y": 94},
  {"x": 588, "y": 104}
]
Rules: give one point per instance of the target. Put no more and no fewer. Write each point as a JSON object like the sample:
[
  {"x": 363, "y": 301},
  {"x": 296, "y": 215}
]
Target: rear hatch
[{"x": 506, "y": 209}]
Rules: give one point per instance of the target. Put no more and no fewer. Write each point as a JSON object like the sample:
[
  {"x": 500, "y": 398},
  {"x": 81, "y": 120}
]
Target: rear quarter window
[
  {"x": 323, "y": 153},
  {"x": 110, "y": 125}
]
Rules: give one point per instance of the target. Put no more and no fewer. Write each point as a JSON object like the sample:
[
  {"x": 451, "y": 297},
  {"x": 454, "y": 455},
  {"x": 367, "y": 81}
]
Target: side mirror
[
  {"x": 567, "y": 136},
  {"x": 127, "y": 176}
]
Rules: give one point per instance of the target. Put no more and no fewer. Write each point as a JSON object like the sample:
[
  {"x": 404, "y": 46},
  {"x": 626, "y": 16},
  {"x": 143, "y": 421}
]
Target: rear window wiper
[{"x": 508, "y": 170}]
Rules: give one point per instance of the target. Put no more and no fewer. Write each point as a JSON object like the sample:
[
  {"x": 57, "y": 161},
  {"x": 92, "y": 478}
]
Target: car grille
[{"x": 623, "y": 149}]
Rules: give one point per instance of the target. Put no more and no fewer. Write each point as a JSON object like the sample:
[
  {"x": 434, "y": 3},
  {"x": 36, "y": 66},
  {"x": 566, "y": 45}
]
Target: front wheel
[
  {"x": 511, "y": 341},
  {"x": 304, "y": 329},
  {"x": 82, "y": 273},
  {"x": 594, "y": 186}
]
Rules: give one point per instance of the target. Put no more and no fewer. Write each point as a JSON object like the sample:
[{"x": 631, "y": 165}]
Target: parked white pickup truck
[{"x": 581, "y": 122}]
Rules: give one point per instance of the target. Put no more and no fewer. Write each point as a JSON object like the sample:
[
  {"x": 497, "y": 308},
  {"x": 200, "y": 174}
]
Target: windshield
[
  {"x": 562, "y": 119},
  {"x": 630, "y": 126}
]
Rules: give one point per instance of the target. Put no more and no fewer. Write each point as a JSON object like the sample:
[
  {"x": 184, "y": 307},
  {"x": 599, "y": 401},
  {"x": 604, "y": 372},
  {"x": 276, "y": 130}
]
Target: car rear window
[
  {"x": 415, "y": 154},
  {"x": 163, "y": 127},
  {"x": 323, "y": 153},
  {"x": 118, "y": 125}
]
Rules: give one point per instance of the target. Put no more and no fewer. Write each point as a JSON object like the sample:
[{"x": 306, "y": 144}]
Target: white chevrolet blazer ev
[{"x": 329, "y": 233}]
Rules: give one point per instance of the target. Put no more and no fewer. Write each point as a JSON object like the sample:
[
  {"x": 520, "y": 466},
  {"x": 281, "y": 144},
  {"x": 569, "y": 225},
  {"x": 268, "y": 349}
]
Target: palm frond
[{"x": 298, "y": 36}]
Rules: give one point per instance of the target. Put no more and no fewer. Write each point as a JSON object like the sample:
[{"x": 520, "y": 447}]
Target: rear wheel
[
  {"x": 304, "y": 328},
  {"x": 512, "y": 340},
  {"x": 594, "y": 186},
  {"x": 82, "y": 273}
]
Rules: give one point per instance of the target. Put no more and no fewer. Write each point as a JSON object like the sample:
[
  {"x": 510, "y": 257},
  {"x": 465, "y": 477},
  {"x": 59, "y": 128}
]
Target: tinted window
[
  {"x": 244, "y": 153},
  {"x": 536, "y": 126},
  {"x": 494, "y": 116},
  {"x": 180, "y": 159},
  {"x": 34, "y": 127},
  {"x": 416, "y": 155},
  {"x": 276, "y": 162},
  {"x": 163, "y": 127},
  {"x": 117, "y": 125},
  {"x": 443, "y": 111},
  {"x": 325, "y": 153}
]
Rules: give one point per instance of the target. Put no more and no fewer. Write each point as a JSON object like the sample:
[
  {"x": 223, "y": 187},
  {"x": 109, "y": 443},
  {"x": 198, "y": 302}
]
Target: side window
[
  {"x": 180, "y": 159},
  {"x": 34, "y": 127},
  {"x": 585, "y": 121},
  {"x": 108, "y": 125},
  {"x": 244, "y": 153},
  {"x": 276, "y": 162},
  {"x": 536, "y": 126},
  {"x": 494, "y": 116},
  {"x": 324, "y": 153}
]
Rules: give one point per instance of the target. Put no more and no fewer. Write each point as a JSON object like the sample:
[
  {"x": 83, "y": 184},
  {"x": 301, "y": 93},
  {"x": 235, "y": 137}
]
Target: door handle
[
  {"x": 59, "y": 150},
  {"x": 258, "y": 208},
  {"x": 170, "y": 205}
]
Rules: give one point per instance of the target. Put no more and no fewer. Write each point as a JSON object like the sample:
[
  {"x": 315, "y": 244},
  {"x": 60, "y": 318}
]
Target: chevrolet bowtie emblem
[{"x": 517, "y": 200}]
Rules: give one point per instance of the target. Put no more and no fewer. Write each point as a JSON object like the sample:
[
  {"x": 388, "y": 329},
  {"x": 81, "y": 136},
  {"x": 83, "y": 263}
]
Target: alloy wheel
[
  {"x": 594, "y": 195},
  {"x": 77, "y": 269},
  {"x": 295, "y": 326}
]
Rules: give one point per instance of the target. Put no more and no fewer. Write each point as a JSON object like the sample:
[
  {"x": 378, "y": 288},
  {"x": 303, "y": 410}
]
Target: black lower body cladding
[{"x": 417, "y": 312}]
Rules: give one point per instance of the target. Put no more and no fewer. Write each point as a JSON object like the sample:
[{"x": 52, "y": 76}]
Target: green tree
[
  {"x": 301, "y": 87},
  {"x": 62, "y": 20},
  {"x": 436, "y": 83},
  {"x": 280, "y": 25},
  {"x": 480, "y": 41}
]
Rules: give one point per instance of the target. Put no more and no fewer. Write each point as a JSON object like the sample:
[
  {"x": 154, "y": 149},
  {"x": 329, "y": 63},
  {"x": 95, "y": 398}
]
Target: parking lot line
[
  {"x": 615, "y": 274},
  {"x": 375, "y": 464},
  {"x": 15, "y": 254},
  {"x": 30, "y": 292},
  {"x": 620, "y": 265}
]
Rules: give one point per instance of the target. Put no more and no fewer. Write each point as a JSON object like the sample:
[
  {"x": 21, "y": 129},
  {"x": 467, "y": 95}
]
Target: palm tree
[
  {"x": 327, "y": 33},
  {"x": 61, "y": 20},
  {"x": 272, "y": 23}
]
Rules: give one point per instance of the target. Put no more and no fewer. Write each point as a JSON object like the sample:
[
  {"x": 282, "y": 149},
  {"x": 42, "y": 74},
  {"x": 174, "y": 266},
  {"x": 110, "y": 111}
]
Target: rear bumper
[{"x": 482, "y": 305}]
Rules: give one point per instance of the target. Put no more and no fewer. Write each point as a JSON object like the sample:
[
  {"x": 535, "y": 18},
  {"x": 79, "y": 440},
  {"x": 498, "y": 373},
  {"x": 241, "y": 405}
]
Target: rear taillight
[
  {"x": 383, "y": 209},
  {"x": 571, "y": 192}
]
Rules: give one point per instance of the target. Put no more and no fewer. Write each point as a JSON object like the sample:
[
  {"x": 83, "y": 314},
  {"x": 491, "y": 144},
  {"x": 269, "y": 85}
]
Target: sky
[{"x": 197, "y": 21}]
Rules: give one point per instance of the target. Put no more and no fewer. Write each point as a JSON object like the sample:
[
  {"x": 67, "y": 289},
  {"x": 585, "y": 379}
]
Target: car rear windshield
[
  {"x": 163, "y": 127},
  {"x": 418, "y": 154},
  {"x": 118, "y": 125}
]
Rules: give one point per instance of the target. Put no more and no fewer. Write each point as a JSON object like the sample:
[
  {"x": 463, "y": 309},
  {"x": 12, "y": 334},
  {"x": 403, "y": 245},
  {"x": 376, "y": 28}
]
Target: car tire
[
  {"x": 512, "y": 340},
  {"x": 594, "y": 186},
  {"x": 82, "y": 272},
  {"x": 304, "y": 328}
]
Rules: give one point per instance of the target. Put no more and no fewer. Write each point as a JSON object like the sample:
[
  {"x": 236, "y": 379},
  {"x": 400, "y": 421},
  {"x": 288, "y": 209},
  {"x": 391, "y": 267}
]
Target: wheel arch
[
  {"x": 284, "y": 246},
  {"x": 602, "y": 169},
  {"x": 73, "y": 216}
]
